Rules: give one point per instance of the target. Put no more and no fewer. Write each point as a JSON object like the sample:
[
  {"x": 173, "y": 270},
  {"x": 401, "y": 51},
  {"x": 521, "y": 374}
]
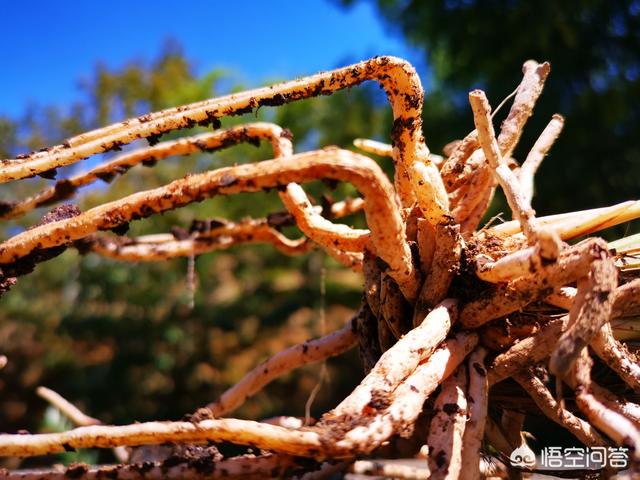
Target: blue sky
[{"x": 49, "y": 46}]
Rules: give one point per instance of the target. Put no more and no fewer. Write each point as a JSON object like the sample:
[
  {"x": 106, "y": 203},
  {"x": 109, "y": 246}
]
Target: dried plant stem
[
  {"x": 382, "y": 213},
  {"x": 512, "y": 423},
  {"x": 283, "y": 362},
  {"x": 373, "y": 146},
  {"x": 613, "y": 424},
  {"x": 526, "y": 352},
  {"x": 574, "y": 262},
  {"x": 615, "y": 354},
  {"x": 401, "y": 360},
  {"x": 219, "y": 238},
  {"x": 477, "y": 401},
  {"x": 396, "y": 76},
  {"x": 486, "y": 135},
  {"x": 206, "y": 142},
  {"x": 534, "y": 76},
  {"x": 539, "y": 150},
  {"x": 574, "y": 224},
  {"x": 592, "y": 314},
  {"x": 444, "y": 266},
  {"x": 547, "y": 404},
  {"x": 409, "y": 396},
  {"x": 627, "y": 299},
  {"x": 393, "y": 308},
  {"x": 242, "y": 432},
  {"x": 473, "y": 181},
  {"x": 66, "y": 407},
  {"x": 319, "y": 229},
  {"x": 447, "y": 428}
]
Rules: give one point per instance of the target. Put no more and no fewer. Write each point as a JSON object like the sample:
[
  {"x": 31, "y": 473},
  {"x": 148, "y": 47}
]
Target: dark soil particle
[
  {"x": 172, "y": 461},
  {"x": 286, "y": 133},
  {"x": 479, "y": 369},
  {"x": 149, "y": 162},
  {"x": 275, "y": 101},
  {"x": 154, "y": 139},
  {"x": 451, "y": 408},
  {"x": 76, "y": 470},
  {"x": 63, "y": 190},
  {"x": 49, "y": 174},
  {"x": 466, "y": 285},
  {"x": 120, "y": 229},
  {"x": 145, "y": 467},
  {"x": 278, "y": 220},
  {"x": 59, "y": 213},
  {"x": 379, "y": 400},
  {"x": 205, "y": 226},
  {"x": 179, "y": 233},
  {"x": 27, "y": 263},
  {"x": 106, "y": 177},
  {"x": 228, "y": 180},
  {"x": 6, "y": 207},
  {"x": 199, "y": 415},
  {"x": 330, "y": 183},
  {"x": 116, "y": 146}
]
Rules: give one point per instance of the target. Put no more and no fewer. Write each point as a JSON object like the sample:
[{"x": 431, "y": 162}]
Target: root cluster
[{"x": 450, "y": 312}]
